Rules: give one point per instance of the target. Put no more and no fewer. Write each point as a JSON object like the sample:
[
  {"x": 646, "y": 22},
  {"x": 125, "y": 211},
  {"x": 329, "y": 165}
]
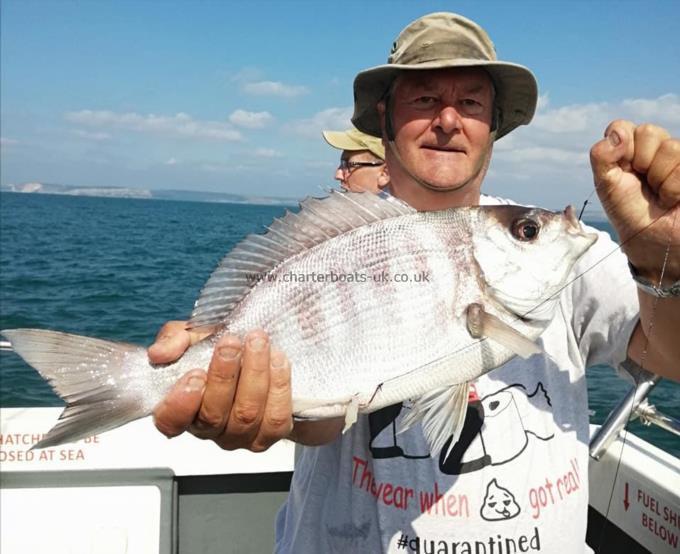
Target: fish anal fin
[
  {"x": 310, "y": 408},
  {"x": 442, "y": 413}
]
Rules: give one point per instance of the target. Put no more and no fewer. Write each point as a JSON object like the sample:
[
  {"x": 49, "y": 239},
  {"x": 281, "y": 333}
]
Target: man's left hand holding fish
[{"x": 244, "y": 399}]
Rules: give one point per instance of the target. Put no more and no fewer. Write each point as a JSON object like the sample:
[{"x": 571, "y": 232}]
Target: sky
[{"x": 232, "y": 96}]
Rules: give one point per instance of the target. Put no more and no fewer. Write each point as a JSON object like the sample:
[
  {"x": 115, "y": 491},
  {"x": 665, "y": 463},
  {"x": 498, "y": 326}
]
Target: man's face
[
  {"x": 360, "y": 171},
  {"x": 442, "y": 124}
]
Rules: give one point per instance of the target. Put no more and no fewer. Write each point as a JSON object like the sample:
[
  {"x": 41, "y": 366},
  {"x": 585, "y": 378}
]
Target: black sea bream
[{"x": 372, "y": 302}]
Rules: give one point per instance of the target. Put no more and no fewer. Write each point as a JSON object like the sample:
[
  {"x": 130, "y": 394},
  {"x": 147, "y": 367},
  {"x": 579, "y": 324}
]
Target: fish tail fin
[
  {"x": 88, "y": 374},
  {"x": 442, "y": 412}
]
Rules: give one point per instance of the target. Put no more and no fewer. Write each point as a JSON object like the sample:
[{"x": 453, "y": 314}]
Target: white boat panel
[
  {"x": 643, "y": 500},
  {"x": 637, "y": 487},
  {"x": 80, "y": 520},
  {"x": 136, "y": 445}
]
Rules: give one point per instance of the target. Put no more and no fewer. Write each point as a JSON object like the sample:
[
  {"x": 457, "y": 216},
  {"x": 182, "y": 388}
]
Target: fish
[{"x": 373, "y": 302}]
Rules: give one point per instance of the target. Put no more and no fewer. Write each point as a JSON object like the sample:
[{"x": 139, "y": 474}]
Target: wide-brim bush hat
[
  {"x": 354, "y": 140},
  {"x": 444, "y": 40}
]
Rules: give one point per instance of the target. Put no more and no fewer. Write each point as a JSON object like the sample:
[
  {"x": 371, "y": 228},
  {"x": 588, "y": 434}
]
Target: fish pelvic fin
[
  {"x": 87, "y": 374},
  {"x": 442, "y": 413},
  {"x": 482, "y": 324},
  {"x": 254, "y": 260},
  {"x": 352, "y": 413},
  {"x": 311, "y": 408}
]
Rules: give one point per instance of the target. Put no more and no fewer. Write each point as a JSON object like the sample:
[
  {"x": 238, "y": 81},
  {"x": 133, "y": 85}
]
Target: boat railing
[{"x": 634, "y": 405}]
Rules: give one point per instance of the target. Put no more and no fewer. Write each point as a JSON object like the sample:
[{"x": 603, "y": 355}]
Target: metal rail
[
  {"x": 632, "y": 406},
  {"x": 649, "y": 415}
]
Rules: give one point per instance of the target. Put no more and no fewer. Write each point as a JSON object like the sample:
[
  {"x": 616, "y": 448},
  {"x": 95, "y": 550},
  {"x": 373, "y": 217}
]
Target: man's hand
[
  {"x": 244, "y": 400},
  {"x": 637, "y": 177},
  {"x": 173, "y": 340}
]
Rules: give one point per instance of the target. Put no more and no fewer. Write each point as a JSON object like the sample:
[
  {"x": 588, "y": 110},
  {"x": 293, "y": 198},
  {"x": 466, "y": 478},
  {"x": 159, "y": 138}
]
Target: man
[
  {"x": 519, "y": 484},
  {"x": 362, "y": 162}
]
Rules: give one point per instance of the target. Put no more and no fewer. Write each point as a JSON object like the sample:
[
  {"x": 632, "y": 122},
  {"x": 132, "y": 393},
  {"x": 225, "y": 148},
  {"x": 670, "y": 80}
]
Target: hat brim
[
  {"x": 340, "y": 140},
  {"x": 343, "y": 140},
  {"x": 516, "y": 91}
]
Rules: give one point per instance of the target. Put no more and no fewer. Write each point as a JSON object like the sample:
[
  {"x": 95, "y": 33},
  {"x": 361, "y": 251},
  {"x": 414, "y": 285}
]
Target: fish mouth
[
  {"x": 570, "y": 214},
  {"x": 574, "y": 226}
]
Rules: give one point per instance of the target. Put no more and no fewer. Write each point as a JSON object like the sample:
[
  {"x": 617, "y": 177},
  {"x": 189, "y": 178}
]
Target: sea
[{"x": 119, "y": 268}]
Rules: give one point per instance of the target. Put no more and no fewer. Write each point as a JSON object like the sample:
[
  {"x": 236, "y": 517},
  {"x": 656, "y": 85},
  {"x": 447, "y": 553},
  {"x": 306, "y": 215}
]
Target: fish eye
[{"x": 525, "y": 229}]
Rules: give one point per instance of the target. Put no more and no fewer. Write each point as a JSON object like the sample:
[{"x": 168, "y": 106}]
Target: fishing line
[
  {"x": 624, "y": 437},
  {"x": 648, "y": 334},
  {"x": 583, "y": 208},
  {"x": 637, "y": 378},
  {"x": 473, "y": 344},
  {"x": 599, "y": 262}
]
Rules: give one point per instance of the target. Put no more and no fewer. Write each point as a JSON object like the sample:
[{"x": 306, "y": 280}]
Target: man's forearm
[
  {"x": 317, "y": 433},
  {"x": 655, "y": 344}
]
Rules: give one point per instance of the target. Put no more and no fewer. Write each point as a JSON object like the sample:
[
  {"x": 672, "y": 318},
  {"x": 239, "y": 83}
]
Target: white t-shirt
[{"x": 517, "y": 481}]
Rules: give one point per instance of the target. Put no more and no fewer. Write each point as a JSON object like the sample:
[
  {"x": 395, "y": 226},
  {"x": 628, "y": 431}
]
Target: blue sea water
[{"x": 120, "y": 268}]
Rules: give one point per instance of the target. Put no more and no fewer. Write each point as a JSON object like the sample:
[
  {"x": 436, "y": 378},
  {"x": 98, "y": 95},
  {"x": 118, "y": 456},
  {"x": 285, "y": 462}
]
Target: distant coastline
[
  {"x": 182, "y": 195},
  {"x": 161, "y": 194}
]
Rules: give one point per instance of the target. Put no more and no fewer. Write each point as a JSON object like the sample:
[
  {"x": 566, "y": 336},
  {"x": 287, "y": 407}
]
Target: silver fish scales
[{"x": 372, "y": 302}]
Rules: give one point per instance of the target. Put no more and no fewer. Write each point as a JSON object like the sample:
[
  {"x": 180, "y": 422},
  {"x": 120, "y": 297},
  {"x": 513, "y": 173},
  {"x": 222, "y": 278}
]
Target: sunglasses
[{"x": 347, "y": 166}]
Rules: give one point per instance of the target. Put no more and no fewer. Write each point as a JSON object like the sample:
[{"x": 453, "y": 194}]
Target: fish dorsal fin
[{"x": 317, "y": 221}]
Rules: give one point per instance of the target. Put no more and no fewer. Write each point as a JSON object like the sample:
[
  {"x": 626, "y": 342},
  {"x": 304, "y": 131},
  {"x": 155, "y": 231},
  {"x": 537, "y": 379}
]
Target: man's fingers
[
  {"x": 625, "y": 131},
  {"x": 244, "y": 400},
  {"x": 669, "y": 194},
  {"x": 173, "y": 340},
  {"x": 223, "y": 377},
  {"x": 170, "y": 344},
  {"x": 664, "y": 172},
  {"x": 277, "y": 421},
  {"x": 251, "y": 394},
  {"x": 173, "y": 415},
  {"x": 647, "y": 138}
]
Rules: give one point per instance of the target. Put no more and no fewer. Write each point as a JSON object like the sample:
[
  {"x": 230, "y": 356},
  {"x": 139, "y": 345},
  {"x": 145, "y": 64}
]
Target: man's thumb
[
  {"x": 609, "y": 157},
  {"x": 614, "y": 153}
]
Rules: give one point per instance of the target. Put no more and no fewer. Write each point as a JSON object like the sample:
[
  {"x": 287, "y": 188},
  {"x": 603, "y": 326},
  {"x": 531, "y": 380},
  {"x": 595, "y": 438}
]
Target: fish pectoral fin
[
  {"x": 481, "y": 323},
  {"x": 442, "y": 412}
]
